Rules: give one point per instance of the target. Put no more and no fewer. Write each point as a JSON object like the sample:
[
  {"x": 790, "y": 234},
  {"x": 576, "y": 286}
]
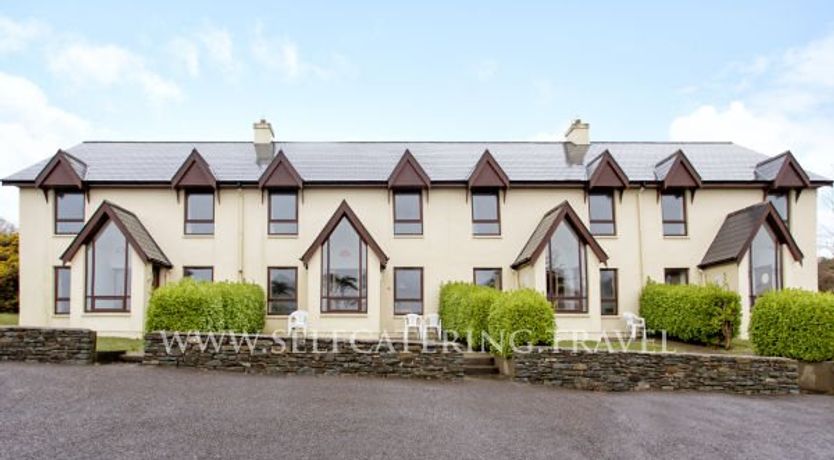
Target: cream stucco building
[{"x": 359, "y": 233}]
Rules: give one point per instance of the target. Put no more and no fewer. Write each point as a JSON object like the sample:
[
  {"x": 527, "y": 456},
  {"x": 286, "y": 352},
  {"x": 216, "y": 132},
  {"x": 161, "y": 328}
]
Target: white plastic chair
[
  {"x": 297, "y": 321},
  {"x": 633, "y": 324},
  {"x": 431, "y": 321},
  {"x": 412, "y": 321}
]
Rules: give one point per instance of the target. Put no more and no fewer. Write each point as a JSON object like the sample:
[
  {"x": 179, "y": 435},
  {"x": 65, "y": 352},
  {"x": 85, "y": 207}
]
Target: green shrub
[
  {"x": 185, "y": 306},
  {"x": 464, "y": 310},
  {"x": 699, "y": 314},
  {"x": 794, "y": 324},
  {"x": 525, "y": 316},
  {"x": 243, "y": 306}
]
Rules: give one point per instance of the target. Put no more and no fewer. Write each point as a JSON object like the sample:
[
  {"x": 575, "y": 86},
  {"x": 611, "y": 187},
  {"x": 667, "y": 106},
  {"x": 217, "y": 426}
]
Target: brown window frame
[
  {"x": 685, "y": 220},
  {"x": 778, "y": 262},
  {"x": 271, "y": 221},
  {"x": 613, "y": 221},
  {"x": 419, "y": 194},
  {"x": 55, "y": 270},
  {"x": 499, "y": 278},
  {"x": 555, "y": 299},
  {"x": 187, "y": 221},
  {"x": 787, "y": 195},
  {"x": 89, "y": 296},
  {"x": 362, "y": 298},
  {"x": 421, "y": 299},
  {"x": 198, "y": 267},
  {"x": 616, "y": 298},
  {"x": 497, "y": 220},
  {"x": 57, "y": 220},
  {"x": 684, "y": 270},
  {"x": 269, "y": 297}
]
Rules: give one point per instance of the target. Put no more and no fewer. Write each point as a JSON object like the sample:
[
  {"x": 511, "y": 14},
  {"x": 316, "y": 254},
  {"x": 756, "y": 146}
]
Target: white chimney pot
[{"x": 579, "y": 133}]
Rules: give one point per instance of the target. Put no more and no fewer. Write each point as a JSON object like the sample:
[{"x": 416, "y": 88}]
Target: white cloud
[
  {"x": 782, "y": 102},
  {"x": 111, "y": 65},
  {"x": 16, "y": 36},
  {"x": 30, "y": 129},
  {"x": 211, "y": 46},
  {"x": 283, "y": 56},
  {"x": 188, "y": 53}
]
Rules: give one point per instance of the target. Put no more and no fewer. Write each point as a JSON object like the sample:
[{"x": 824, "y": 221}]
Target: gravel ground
[{"x": 129, "y": 411}]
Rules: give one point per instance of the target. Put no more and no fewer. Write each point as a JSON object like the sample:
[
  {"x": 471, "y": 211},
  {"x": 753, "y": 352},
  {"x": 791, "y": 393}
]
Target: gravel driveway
[{"x": 129, "y": 411}]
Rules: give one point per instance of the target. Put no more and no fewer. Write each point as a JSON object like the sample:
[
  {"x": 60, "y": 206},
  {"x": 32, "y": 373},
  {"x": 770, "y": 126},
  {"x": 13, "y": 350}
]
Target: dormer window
[
  {"x": 69, "y": 212},
  {"x": 601, "y": 210},
  {"x": 283, "y": 213},
  {"x": 408, "y": 212},
  {"x": 673, "y": 208},
  {"x": 199, "y": 213},
  {"x": 780, "y": 201},
  {"x": 486, "y": 217}
]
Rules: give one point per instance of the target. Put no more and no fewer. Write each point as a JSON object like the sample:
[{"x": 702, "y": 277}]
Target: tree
[
  {"x": 825, "y": 274},
  {"x": 9, "y": 267}
]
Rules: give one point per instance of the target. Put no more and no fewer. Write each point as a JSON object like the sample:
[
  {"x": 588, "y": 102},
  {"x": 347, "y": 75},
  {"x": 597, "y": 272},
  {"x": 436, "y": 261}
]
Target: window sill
[
  {"x": 276, "y": 316},
  {"x": 282, "y": 237},
  {"x": 198, "y": 237},
  {"x": 606, "y": 237},
  {"x": 572, "y": 315},
  {"x": 486, "y": 237},
  {"x": 62, "y": 316},
  {"x": 343, "y": 315},
  {"x": 113, "y": 314},
  {"x": 676, "y": 237},
  {"x": 408, "y": 237},
  {"x": 65, "y": 235},
  {"x": 618, "y": 317}
]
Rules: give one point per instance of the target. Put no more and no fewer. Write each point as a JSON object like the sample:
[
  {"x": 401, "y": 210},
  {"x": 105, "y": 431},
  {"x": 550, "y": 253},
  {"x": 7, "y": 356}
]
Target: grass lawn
[
  {"x": 740, "y": 347},
  {"x": 118, "y": 344},
  {"x": 8, "y": 319}
]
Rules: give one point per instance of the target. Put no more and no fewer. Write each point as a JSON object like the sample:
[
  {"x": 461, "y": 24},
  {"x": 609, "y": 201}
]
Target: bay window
[
  {"x": 765, "y": 261},
  {"x": 565, "y": 271},
  {"x": 108, "y": 271},
  {"x": 344, "y": 271}
]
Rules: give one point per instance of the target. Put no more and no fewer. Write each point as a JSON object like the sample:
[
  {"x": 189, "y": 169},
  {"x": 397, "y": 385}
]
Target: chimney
[
  {"x": 263, "y": 142},
  {"x": 578, "y": 133}
]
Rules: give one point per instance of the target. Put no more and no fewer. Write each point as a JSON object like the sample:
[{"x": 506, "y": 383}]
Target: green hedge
[
  {"x": 794, "y": 324},
  {"x": 525, "y": 316},
  {"x": 189, "y": 305},
  {"x": 464, "y": 309},
  {"x": 698, "y": 314}
]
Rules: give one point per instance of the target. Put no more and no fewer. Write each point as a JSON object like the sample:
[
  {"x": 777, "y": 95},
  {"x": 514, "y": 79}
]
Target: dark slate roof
[
  {"x": 374, "y": 161},
  {"x": 738, "y": 230}
]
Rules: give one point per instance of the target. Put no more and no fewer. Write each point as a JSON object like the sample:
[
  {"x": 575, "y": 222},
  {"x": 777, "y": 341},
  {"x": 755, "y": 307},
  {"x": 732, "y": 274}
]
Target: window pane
[
  {"x": 676, "y": 276},
  {"x": 200, "y": 206},
  {"x": 110, "y": 262},
  {"x": 282, "y": 307},
  {"x": 763, "y": 261},
  {"x": 672, "y": 206},
  {"x": 68, "y": 227},
  {"x": 109, "y": 304},
  {"x": 408, "y": 284},
  {"x": 62, "y": 306},
  {"x": 344, "y": 261},
  {"x": 608, "y": 288},
  {"x": 486, "y": 229},
  {"x": 199, "y": 228},
  {"x": 408, "y": 228},
  {"x": 198, "y": 273},
  {"x": 780, "y": 202},
  {"x": 70, "y": 206},
  {"x": 63, "y": 283},
  {"x": 485, "y": 206},
  {"x": 404, "y": 307},
  {"x": 674, "y": 229},
  {"x": 571, "y": 305},
  {"x": 565, "y": 258},
  {"x": 283, "y": 228},
  {"x": 602, "y": 228},
  {"x": 282, "y": 206},
  {"x": 602, "y": 206},
  {"x": 407, "y": 206},
  {"x": 488, "y": 277},
  {"x": 609, "y": 307},
  {"x": 282, "y": 283}
]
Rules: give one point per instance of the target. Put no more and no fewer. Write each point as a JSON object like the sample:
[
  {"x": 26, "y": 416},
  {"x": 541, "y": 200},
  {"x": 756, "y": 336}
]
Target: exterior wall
[{"x": 241, "y": 248}]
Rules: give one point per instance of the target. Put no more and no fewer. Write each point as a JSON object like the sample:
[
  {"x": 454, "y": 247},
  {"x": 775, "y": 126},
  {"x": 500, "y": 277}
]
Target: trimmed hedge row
[
  {"x": 698, "y": 314},
  {"x": 470, "y": 311},
  {"x": 189, "y": 305},
  {"x": 794, "y": 324}
]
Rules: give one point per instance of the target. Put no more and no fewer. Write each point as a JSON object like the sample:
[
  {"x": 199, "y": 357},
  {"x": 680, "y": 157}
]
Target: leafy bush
[
  {"x": 699, "y": 314},
  {"x": 464, "y": 309},
  {"x": 243, "y": 306},
  {"x": 189, "y": 305},
  {"x": 9, "y": 267},
  {"x": 520, "y": 318},
  {"x": 794, "y": 324},
  {"x": 186, "y": 305}
]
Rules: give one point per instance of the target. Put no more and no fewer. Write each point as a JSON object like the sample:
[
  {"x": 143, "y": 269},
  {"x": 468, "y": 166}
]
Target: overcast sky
[{"x": 757, "y": 73}]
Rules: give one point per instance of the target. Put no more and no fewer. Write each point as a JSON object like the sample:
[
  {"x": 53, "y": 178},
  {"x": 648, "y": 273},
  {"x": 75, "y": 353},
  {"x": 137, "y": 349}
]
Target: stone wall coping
[{"x": 662, "y": 353}]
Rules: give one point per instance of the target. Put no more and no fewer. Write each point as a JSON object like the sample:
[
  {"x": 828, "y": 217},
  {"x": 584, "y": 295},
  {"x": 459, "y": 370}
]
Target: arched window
[
  {"x": 566, "y": 277},
  {"x": 344, "y": 271},
  {"x": 108, "y": 271},
  {"x": 765, "y": 264}
]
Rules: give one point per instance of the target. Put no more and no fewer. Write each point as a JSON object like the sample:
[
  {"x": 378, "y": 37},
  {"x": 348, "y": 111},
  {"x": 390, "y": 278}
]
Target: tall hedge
[
  {"x": 519, "y": 318},
  {"x": 698, "y": 314},
  {"x": 189, "y": 305},
  {"x": 464, "y": 309},
  {"x": 794, "y": 324}
]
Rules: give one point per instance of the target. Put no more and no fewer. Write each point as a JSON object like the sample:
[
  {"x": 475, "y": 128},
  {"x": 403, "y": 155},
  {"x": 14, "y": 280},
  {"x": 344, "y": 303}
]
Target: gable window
[
  {"x": 408, "y": 213},
  {"x": 283, "y": 213},
  {"x": 198, "y": 273},
  {"x": 486, "y": 217},
  {"x": 199, "y": 213},
  {"x": 408, "y": 290},
  {"x": 676, "y": 276},
  {"x": 780, "y": 201},
  {"x": 344, "y": 271},
  {"x": 62, "y": 290},
  {"x": 69, "y": 212},
  {"x": 765, "y": 264},
  {"x": 673, "y": 207},
  {"x": 108, "y": 271},
  {"x": 601, "y": 210},
  {"x": 283, "y": 290},
  {"x": 487, "y": 277},
  {"x": 608, "y": 291},
  {"x": 566, "y": 278}
]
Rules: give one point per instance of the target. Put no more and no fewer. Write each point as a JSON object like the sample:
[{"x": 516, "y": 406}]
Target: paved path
[{"x": 129, "y": 411}]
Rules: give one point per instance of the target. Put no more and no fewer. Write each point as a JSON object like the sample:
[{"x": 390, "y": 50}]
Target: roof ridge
[{"x": 391, "y": 142}]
